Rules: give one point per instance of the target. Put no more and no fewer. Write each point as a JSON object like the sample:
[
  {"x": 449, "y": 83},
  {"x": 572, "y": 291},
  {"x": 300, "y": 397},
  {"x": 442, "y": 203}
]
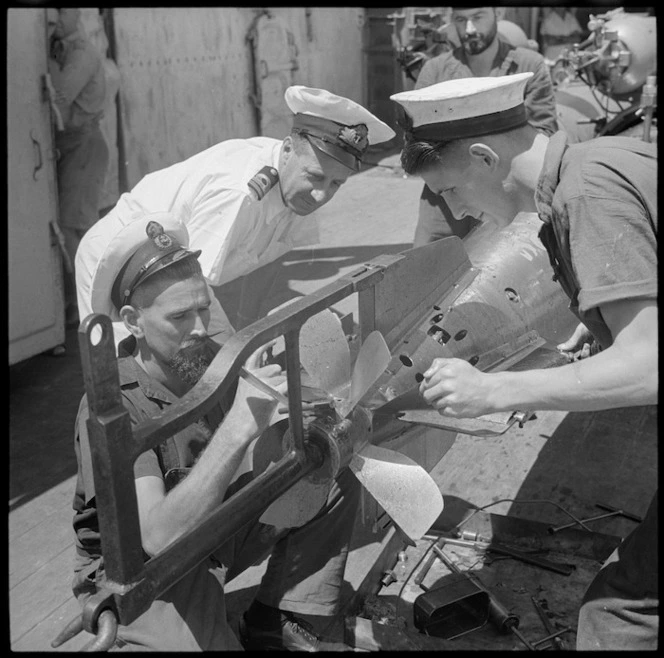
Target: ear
[
  {"x": 500, "y": 13},
  {"x": 132, "y": 320},
  {"x": 484, "y": 154},
  {"x": 288, "y": 144}
]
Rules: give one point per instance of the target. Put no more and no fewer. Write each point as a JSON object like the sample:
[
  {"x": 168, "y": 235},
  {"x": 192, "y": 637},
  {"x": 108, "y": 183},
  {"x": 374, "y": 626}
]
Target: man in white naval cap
[
  {"x": 597, "y": 200},
  {"x": 246, "y": 202},
  {"x": 481, "y": 50},
  {"x": 155, "y": 284}
]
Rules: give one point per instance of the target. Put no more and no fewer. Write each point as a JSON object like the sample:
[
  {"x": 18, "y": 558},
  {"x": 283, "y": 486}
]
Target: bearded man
[{"x": 156, "y": 286}]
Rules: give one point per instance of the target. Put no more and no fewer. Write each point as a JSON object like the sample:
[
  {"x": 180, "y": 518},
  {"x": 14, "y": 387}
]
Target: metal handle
[{"x": 39, "y": 155}]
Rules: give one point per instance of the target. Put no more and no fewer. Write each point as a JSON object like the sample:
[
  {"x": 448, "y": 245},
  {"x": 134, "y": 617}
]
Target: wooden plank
[
  {"x": 36, "y": 597},
  {"x": 55, "y": 500},
  {"x": 39, "y": 637},
  {"x": 483, "y": 470},
  {"x": 36, "y": 548}
]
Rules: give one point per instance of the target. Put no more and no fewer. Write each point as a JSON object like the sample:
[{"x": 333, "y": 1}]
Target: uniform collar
[
  {"x": 550, "y": 175},
  {"x": 132, "y": 374}
]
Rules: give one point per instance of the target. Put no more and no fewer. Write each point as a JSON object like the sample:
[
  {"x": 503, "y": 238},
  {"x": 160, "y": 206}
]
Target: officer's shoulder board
[{"x": 263, "y": 181}]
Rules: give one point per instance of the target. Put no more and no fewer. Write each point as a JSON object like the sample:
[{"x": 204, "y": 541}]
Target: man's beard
[
  {"x": 478, "y": 43},
  {"x": 192, "y": 360}
]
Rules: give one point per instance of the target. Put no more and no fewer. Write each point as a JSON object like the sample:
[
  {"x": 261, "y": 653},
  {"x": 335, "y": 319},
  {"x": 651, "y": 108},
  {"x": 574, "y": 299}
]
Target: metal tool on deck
[
  {"x": 553, "y": 633},
  {"x": 611, "y": 511},
  {"x": 490, "y": 545},
  {"x": 463, "y": 605}
]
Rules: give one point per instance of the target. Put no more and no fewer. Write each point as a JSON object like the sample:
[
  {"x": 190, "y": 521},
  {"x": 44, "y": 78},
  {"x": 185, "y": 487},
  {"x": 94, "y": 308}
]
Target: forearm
[
  {"x": 613, "y": 378},
  {"x": 201, "y": 492}
]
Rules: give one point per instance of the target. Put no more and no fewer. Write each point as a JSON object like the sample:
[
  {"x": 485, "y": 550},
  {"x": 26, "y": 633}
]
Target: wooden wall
[{"x": 187, "y": 74}]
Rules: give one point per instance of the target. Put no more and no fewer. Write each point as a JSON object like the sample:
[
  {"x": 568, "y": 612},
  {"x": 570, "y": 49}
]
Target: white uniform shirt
[{"x": 209, "y": 193}]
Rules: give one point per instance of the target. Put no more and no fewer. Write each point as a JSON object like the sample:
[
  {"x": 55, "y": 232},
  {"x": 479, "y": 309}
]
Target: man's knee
[{"x": 608, "y": 620}]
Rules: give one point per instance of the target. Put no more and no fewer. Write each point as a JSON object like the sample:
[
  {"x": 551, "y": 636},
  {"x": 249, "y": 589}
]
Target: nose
[
  {"x": 457, "y": 208},
  {"x": 322, "y": 194},
  {"x": 200, "y": 326},
  {"x": 470, "y": 27}
]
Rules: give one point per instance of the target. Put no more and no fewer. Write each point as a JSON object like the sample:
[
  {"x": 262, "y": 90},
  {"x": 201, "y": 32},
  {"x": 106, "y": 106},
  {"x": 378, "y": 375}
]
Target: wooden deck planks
[{"x": 41, "y": 554}]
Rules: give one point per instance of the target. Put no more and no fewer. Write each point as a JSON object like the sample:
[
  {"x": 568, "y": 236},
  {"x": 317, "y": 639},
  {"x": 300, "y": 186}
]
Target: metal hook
[
  {"x": 107, "y": 630},
  {"x": 73, "y": 628}
]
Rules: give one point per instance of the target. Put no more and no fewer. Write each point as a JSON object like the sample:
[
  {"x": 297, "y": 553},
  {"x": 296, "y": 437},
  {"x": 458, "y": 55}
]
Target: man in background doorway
[{"x": 77, "y": 74}]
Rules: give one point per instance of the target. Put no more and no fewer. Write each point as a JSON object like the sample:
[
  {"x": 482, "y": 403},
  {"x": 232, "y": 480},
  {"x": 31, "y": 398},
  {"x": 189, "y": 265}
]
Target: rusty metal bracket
[{"x": 130, "y": 584}]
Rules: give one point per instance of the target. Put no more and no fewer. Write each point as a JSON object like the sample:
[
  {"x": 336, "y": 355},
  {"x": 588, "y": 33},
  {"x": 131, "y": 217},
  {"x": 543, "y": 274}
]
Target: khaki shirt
[{"x": 539, "y": 99}]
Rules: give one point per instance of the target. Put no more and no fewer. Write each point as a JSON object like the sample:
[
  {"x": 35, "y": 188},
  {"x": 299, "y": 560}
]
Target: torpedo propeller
[{"x": 403, "y": 488}]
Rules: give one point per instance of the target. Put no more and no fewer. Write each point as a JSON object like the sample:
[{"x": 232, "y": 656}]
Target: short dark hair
[
  {"x": 180, "y": 270},
  {"x": 419, "y": 155}
]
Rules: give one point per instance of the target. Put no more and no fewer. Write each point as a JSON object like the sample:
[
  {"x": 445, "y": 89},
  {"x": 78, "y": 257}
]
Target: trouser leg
[
  {"x": 620, "y": 610},
  {"x": 306, "y": 569},
  {"x": 306, "y": 566}
]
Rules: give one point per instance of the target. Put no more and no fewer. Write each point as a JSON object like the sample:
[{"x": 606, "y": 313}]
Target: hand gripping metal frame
[{"x": 130, "y": 584}]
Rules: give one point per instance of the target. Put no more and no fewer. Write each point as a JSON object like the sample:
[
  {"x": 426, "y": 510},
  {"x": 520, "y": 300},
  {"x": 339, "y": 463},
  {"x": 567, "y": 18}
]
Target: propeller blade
[
  {"x": 304, "y": 499},
  {"x": 372, "y": 359},
  {"x": 400, "y": 486},
  {"x": 297, "y": 505},
  {"x": 325, "y": 354}
]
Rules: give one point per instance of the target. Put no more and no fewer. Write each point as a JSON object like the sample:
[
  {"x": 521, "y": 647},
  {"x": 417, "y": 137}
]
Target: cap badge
[
  {"x": 356, "y": 137},
  {"x": 155, "y": 232}
]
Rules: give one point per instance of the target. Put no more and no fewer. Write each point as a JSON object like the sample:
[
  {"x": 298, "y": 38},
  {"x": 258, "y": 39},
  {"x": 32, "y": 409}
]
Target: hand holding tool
[
  {"x": 263, "y": 387},
  {"x": 307, "y": 392}
]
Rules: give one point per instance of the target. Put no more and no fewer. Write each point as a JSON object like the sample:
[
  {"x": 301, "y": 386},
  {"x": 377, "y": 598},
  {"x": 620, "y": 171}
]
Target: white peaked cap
[
  {"x": 337, "y": 125},
  {"x": 465, "y": 107}
]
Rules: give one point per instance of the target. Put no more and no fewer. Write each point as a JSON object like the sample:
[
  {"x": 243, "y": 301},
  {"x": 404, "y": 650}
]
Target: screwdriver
[{"x": 500, "y": 617}]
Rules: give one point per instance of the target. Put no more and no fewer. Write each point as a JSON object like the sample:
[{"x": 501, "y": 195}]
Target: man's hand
[
  {"x": 456, "y": 389},
  {"x": 578, "y": 345},
  {"x": 252, "y": 408}
]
